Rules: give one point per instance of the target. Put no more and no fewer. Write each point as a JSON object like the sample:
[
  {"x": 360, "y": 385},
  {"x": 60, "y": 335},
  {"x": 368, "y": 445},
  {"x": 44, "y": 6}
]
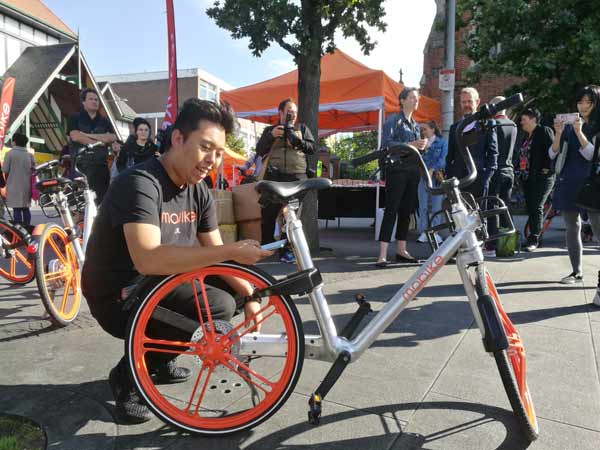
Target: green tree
[
  {"x": 554, "y": 45},
  {"x": 359, "y": 144},
  {"x": 305, "y": 29},
  {"x": 236, "y": 144}
]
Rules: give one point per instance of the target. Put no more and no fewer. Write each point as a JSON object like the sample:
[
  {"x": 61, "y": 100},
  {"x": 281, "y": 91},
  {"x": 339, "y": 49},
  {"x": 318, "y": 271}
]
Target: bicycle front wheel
[
  {"x": 512, "y": 366},
  {"x": 16, "y": 263},
  {"x": 57, "y": 274},
  {"x": 239, "y": 377}
]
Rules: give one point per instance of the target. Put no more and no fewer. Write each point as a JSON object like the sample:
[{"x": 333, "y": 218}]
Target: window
[
  {"x": 208, "y": 91},
  {"x": 40, "y": 37},
  {"x": 2, "y": 54},
  {"x": 13, "y": 50},
  {"x": 26, "y": 32}
]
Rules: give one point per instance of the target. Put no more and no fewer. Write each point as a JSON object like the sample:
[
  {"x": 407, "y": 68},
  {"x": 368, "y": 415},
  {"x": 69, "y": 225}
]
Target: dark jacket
[
  {"x": 540, "y": 163},
  {"x": 506, "y": 131},
  {"x": 131, "y": 153},
  {"x": 306, "y": 144},
  {"x": 484, "y": 153}
]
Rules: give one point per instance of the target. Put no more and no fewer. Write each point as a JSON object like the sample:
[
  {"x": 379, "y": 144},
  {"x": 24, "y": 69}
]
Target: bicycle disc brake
[
  {"x": 222, "y": 327},
  {"x": 54, "y": 265}
]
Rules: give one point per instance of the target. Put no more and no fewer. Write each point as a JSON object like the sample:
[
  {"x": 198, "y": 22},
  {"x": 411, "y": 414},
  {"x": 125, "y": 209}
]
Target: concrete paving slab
[
  {"x": 444, "y": 422},
  {"x": 553, "y": 357}
]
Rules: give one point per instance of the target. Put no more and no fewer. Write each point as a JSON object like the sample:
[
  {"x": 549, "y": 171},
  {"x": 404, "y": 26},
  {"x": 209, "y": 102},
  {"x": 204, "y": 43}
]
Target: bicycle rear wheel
[
  {"x": 512, "y": 366},
  {"x": 236, "y": 380},
  {"x": 16, "y": 261},
  {"x": 57, "y": 274}
]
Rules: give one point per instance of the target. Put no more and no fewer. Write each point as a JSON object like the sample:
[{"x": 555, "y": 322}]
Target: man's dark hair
[
  {"x": 284, "y": 102},
  {"x": 137, "y": 121},
  {"x": 532, "y": 113},
  {"x": 193, "y": 111},
  {"x": 404, "y": 93},
  {"x": 85, "y": 92},
  {"x": 20, "y": 139},
  {"x": 141, "y": 121}
]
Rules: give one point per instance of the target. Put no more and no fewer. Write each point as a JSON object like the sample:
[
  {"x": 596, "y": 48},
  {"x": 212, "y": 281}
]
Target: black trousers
[
  {"x": 98, "y": 178},
  {"x": 270, "y": 211},
  {"x": 500, "y": 186},
  {"x": 536, "y": 190},
  {"x": 401, "y": 192},
  {"x": 113, "y": 318}
]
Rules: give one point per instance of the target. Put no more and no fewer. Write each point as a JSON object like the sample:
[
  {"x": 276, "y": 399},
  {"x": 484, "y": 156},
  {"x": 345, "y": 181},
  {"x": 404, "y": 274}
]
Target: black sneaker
[
  {"x": 129, "y": 407},
  {"x": 169, "y": 373}
]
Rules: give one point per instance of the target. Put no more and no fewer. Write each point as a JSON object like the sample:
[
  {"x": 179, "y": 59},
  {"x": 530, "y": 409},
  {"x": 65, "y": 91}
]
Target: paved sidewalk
[{"x": 425, "y": 384}]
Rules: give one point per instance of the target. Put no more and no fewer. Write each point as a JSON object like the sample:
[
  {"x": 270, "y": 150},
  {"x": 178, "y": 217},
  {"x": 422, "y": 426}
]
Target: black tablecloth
[{"x": 349, "y": 201}]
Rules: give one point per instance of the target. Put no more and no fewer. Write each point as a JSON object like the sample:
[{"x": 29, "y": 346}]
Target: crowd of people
[
  {"x": 134, "y": 238},
  {"x": 542, "y": 159}
]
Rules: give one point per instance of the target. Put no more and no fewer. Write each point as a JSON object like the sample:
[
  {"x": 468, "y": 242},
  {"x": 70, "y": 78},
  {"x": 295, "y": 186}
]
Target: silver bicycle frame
[
  {"x": 329, "y": 345},
  {"x": 60, "y": 200}
]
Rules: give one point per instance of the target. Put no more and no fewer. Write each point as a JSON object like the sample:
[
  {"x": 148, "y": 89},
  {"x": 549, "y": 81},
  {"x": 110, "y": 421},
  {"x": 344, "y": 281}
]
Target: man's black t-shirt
[
  {"x": 142, "y": 194},
  {"x": 82, "y": 121}
]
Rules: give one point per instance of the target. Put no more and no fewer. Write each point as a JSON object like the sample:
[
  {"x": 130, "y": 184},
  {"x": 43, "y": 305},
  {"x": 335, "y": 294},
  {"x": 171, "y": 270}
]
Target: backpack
[{"x": 506, "y": 246}]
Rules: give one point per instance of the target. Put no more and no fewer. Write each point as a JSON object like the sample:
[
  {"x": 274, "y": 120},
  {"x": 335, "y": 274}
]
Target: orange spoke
[
  {"x": 58, "y": 253},
  {"x": 249, "y": 371},
  {"x": 187, "y": 408},
  {"x": 65, "y": 297},
  {"x": 250, "y": 329},
  {"x": 201, "y": 396},
  {"x": 208, "y": 331},
  {"x": 55, "y": 275},
  {"x": 13, "y": 267},
  {"x": 23, "y": 259},
  {"x": 150, "y": 343}
]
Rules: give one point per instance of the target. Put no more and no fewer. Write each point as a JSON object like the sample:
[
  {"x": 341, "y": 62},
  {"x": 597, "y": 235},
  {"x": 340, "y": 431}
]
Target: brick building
[{"x": 433, "y": 61}]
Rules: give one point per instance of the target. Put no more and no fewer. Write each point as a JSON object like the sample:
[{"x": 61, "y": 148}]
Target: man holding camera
[{"x": 283, "y": 147}]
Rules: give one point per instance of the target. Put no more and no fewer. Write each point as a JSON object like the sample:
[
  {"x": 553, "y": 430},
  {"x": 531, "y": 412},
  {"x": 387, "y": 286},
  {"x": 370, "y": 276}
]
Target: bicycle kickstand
[{"x": 339, "y": 365}]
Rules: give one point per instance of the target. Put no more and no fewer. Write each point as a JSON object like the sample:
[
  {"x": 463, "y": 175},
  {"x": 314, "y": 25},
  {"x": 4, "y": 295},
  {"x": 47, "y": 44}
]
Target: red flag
[
  {"x": 5, "y": 104},
  {"x": 171, "y": 106}
]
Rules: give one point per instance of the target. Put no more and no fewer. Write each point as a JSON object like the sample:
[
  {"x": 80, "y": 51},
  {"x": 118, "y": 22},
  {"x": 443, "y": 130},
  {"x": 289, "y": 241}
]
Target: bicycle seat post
[{"x": 293, "y": 226}]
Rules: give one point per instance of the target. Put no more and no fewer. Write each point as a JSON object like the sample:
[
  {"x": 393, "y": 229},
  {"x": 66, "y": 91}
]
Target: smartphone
[
  {"x": 568, "y": 117},
  {"x": 274, "y": 245}
]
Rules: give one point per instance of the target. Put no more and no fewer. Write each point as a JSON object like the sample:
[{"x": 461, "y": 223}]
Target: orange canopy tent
[
  {"x": 230, "y": 158},
  {"x": 353, "y": 97}
]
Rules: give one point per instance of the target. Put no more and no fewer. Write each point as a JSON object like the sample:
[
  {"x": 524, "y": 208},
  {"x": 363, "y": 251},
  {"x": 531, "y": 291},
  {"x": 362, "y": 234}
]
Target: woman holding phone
[{"x": 576, "y": 141}]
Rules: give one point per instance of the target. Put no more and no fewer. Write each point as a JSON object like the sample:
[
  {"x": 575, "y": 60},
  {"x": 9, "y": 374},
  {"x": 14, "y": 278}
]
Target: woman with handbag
[
  {"x": 535, "y": 170},
  {"x": 401, "y": 177},
  {"x": 576, "y": 143}
]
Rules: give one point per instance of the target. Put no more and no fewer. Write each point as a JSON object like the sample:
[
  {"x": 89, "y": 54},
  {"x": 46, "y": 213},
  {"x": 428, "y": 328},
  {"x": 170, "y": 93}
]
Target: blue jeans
[{"x": 424, "y": 213}]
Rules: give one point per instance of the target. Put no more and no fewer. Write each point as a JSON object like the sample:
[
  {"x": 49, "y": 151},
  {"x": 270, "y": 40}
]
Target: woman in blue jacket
[
  {"x": 434, "y": 156},
  {"x": 576, "y": 143}
]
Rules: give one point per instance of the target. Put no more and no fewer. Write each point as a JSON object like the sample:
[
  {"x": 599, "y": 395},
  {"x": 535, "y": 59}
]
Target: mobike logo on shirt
[
  {"x": 173, "y": 218},
  {"x": 423, "y": 277}
]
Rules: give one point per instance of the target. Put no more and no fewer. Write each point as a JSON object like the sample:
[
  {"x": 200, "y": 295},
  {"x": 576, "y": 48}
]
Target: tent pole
[{"x": 379, "y": 133}]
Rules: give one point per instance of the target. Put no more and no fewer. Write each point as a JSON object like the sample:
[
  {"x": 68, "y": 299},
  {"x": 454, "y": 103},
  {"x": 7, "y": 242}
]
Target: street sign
[{"x": 447, "y": 79}]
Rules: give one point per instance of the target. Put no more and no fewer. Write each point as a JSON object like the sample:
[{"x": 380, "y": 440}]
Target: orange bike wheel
[
  {"x": 16, "y": 264},
  {"x": 512, "y": 365},
  {"x": 232, "y": 386},
  {"x": 57, "y": 274}
]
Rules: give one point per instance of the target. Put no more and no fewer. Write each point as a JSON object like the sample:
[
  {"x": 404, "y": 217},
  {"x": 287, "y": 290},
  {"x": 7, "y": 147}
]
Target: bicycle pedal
[{"x": 314, "y": 412}]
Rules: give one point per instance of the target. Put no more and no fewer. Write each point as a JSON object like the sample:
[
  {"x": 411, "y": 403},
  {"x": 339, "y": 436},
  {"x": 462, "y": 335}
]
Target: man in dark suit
[
  {"x": 484, "y": 152},
  {"x": 502, "y": 182}
]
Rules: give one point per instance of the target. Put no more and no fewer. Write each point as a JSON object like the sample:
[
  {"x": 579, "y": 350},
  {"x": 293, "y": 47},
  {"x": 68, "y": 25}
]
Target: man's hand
[
  {"x": 277, "y": 131},
  {"x": 248, "y": 252}
]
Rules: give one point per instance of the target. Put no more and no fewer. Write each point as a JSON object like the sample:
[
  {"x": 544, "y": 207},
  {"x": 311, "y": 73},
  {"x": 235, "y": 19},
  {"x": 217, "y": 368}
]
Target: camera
[{"x": 288, "y": 126}]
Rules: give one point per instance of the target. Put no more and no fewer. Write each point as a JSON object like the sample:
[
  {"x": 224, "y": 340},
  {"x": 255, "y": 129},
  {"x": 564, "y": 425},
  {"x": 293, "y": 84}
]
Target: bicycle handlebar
[{"x": 485, "y": 112}]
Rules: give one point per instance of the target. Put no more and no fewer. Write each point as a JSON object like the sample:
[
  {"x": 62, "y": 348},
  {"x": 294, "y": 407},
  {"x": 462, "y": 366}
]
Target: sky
[{"x": 127, "y": 36}]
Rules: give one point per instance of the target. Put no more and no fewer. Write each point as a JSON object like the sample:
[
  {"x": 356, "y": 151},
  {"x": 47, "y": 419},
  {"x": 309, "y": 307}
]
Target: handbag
[{"x": 588, "y": 196}]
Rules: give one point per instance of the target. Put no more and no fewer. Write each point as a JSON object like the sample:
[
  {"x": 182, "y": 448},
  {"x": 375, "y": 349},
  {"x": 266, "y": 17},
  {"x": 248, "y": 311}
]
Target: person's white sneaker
[
  {"x": 489, "y": 253},
  {"x": 438, "y": 239},
  {"x": 572, "y": 279},
  {"x": 422, "y": 238}
]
